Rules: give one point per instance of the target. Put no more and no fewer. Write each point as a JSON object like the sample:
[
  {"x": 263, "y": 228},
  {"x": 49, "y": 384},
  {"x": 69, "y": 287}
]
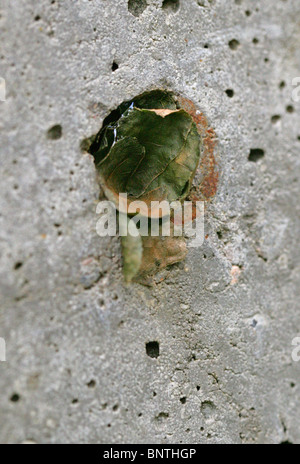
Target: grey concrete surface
[{"x": 77, "y": 368}]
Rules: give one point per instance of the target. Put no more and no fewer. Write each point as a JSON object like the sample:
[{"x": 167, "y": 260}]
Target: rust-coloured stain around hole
[{"x": 208, "y": 164}]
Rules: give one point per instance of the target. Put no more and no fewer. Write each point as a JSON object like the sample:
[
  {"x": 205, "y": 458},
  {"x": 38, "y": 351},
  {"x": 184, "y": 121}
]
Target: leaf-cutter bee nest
[{"x": 150, "y": 148}]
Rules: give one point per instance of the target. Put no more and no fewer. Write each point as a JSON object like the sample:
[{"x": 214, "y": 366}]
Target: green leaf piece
[
  {"x": 150, "y": 155},
  {"x": 156, "y": 99},
  {"x": 132, "y": 250}
]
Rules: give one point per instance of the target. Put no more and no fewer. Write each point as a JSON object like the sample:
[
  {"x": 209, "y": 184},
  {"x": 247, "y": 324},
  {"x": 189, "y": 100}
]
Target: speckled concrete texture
[{"x": 78, "y": 367}]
